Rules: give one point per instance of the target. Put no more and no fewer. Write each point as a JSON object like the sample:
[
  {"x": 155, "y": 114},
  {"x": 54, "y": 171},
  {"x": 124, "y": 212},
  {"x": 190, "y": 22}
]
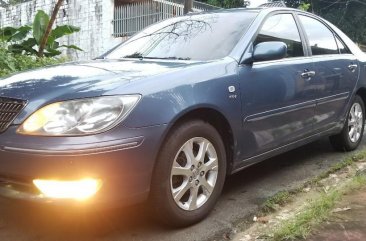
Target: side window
[
  {"x": 342, "y": 48},
  {"x": 321, "y": 39},
  {"x": 282, "y": 27}
]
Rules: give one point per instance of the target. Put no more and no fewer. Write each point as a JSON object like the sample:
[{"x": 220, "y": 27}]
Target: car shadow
[{"x": 289, "y": 159}]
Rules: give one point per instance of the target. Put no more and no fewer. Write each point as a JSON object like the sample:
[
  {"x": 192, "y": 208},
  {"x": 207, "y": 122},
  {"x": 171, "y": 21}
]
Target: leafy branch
[{"x": 39, "y": 39}]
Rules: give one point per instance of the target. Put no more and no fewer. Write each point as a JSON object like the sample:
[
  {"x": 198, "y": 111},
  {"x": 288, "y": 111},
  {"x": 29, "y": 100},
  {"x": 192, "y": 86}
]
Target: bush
[
  {"x": 28, "y": 39},
  {"x": 11, "y": 63}
]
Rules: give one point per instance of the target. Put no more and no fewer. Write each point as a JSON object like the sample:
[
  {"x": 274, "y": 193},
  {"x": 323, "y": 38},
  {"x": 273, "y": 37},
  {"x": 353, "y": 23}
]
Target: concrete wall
[{"x": 94, "y": 17}]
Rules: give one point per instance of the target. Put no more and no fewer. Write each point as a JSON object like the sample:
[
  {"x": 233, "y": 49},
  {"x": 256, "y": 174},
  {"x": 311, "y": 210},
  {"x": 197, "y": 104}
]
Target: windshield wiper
[
  {"x": 140, "y": 56},
  {"x": 172, "y": 58},
  {"x": 134, "y": 56}
]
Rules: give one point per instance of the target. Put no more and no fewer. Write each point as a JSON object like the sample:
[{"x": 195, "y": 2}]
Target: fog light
[{"x": 78, "y": 190}]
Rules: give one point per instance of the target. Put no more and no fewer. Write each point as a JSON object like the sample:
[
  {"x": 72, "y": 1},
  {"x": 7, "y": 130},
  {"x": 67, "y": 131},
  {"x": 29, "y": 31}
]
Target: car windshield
[{"x": 196, "y": 37}]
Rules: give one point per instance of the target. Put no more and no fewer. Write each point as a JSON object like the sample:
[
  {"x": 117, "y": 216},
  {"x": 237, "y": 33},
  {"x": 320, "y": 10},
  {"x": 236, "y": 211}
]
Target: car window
[
  {"x": 191, "y": 37},
  {"x": 321, "y": 39},
  {"x": 282, "y": 27},
  {"x": 342, "y": 48}
]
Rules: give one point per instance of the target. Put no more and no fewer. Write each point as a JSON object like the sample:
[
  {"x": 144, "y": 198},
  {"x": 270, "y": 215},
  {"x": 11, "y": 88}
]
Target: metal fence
[{"x": 133, "y": 17}]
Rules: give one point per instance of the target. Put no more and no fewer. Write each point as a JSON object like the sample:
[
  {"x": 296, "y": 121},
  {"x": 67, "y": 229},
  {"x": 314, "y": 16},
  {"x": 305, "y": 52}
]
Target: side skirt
[{"x": 258, "y": 158}]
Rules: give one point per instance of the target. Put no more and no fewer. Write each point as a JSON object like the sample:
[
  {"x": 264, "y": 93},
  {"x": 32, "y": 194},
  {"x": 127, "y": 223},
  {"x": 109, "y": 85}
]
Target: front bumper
[{"x": 123, "y": 159}]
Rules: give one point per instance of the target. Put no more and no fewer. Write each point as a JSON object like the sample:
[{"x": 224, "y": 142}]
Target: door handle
[
  {"x": 352, "y": 67},
  {"x": 308, "y": 74}
]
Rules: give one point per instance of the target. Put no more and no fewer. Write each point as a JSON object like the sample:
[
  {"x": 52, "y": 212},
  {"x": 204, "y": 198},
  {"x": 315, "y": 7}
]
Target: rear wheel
[
  {"x": 351, "y": 135},
  {"x": 189, "y": 174}
]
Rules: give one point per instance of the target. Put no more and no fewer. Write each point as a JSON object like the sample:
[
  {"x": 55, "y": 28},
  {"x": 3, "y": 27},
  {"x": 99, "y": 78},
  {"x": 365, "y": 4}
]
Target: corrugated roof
[{"x": 280, "y": 4}]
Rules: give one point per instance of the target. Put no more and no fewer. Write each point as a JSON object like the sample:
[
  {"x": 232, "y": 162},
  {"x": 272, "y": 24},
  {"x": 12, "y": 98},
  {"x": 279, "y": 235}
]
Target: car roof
[
  {"x": 257, "y": 9},
  {"x": 264, "y": 11}
]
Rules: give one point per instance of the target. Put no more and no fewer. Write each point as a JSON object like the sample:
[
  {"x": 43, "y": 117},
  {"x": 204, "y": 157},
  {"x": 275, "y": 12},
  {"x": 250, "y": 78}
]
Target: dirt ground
[{"x": 347, "y": 225}]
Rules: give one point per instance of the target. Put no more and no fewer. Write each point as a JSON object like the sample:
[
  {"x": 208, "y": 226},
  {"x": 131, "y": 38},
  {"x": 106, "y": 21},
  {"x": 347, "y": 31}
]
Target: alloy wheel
[
  {"x": 194, "y": 173},
  {"x": 355, "y": 122}
]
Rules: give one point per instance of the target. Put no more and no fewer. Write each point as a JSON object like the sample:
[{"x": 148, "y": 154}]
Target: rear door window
[{"x": 321, "y": 39}]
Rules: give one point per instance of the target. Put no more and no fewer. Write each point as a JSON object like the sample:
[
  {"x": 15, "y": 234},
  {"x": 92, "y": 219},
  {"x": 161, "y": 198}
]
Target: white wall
[{"x": 94, "y": 17}]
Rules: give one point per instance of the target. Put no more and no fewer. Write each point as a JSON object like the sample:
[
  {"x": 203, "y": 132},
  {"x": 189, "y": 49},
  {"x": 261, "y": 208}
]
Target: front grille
[{"x": 9, "y": 109}]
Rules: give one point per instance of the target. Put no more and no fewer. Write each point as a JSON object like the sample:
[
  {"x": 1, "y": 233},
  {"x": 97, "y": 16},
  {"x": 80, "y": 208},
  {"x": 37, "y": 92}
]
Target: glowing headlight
[
  {"x": 77, "y": 190},
  {"x": 79, "y": 117}
]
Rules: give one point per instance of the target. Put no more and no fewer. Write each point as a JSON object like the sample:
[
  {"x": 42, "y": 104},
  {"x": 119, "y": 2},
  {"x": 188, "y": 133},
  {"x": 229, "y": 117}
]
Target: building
[{"x": 103, "y": 22}]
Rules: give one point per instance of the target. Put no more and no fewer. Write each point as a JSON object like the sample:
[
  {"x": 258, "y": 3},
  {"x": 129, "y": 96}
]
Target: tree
[
  {"x": 49, "y": 28},
  {"x": 188, "y": 6},
  {"x": 348, "y": 15},
  {"x": 291, "y": 3},
  {"x": 26, "y": 39},
  {"x": 44, "y": 36},
  {"x": 227, "y": 3}
]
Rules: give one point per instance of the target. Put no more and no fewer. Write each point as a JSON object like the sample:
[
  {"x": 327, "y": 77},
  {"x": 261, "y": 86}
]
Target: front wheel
[
  {"x": 350, "y": 137},
  {"x": 189, "y": 174}
]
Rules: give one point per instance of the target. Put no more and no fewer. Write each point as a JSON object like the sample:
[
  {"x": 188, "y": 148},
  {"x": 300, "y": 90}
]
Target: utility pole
[{"x": 188, "y": 6}]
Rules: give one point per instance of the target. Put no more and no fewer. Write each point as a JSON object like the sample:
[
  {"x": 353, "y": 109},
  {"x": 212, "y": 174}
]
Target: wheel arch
[
  {"x": 362, "y": 93},
  {"x": 214, "y": 118}
]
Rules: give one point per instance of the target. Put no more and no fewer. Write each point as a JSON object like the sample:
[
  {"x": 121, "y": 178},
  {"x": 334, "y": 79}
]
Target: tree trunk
[
  {"x": 46, "y": 35},
  {"x": 188, "y": 6}
]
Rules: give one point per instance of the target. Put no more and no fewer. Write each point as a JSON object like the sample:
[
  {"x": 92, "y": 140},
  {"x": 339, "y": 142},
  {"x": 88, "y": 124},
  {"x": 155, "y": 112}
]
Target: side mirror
[{"x": 269, "y": 51}]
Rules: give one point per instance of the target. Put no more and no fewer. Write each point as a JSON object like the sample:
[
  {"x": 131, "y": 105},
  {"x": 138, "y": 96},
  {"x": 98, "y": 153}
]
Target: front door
[{"x": 278, "y": 104}]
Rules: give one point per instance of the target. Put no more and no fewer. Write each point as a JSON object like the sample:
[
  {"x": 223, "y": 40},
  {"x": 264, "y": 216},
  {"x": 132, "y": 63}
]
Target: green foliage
[
  {"x": 20, "y": 42},
  {"x": 304, "y": 6},
  {"x": 279, "y": 199},
  {"x": 300, "y": 226},
  {"x": 40, "y": 24},
  {"x": 317, "y": 211},
  {"x": 226, "y": 3},
  {"x": 349, "y": 16},
  {"x": 10, "y": 62}
]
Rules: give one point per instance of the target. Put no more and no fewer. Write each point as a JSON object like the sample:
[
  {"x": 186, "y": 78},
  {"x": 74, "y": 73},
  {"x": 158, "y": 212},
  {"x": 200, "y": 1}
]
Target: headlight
[{"x": 79, "y": 117}]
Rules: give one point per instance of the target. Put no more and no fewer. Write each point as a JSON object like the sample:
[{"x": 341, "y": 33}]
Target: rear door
[
  {"x": 278, "y": 102},
  {"x": 336, "y": 72}
]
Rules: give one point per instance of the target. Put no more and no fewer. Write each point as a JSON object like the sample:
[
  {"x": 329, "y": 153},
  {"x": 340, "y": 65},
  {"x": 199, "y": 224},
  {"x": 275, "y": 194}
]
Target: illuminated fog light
[{"x": 78, "y": 190}]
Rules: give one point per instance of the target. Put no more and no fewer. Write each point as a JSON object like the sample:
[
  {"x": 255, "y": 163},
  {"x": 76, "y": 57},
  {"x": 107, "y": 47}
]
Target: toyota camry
[{"x": 166, "y": 116}]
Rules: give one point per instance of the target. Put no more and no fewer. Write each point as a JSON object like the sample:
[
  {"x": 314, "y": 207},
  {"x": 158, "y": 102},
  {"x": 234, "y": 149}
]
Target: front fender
[{"x": 171, "y": 96}]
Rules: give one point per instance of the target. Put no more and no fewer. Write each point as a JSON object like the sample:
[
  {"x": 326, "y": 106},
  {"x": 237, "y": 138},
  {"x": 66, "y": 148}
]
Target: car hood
[{"x": 79, "y": 80}]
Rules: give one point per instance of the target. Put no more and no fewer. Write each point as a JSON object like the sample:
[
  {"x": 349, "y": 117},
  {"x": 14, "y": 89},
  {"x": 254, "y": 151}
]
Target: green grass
[
  {"x": 280, "y": 198},
  {"x": 317, "y": 211},
  {"x": 284, "y": 197},
  {"x": 300, "y": 226},
  {"x": 348, "y": 161}
]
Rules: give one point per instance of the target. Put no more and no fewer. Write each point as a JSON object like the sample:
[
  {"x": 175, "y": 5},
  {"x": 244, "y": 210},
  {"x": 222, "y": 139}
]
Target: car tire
[
  {"x": 195, "y": 180},
  {"x": 350, "y": 137}
]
